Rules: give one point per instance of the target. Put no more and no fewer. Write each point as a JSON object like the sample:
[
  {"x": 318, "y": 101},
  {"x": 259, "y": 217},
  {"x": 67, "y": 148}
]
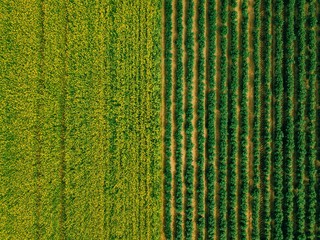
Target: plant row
[
  {"x": 311, "y": 67},
  {"x": 244, "y": 123},
  {"x": 266, "y": 120},
  {"x": 300, "y": 135},
  {"x": 233, "y": 122},
  {"x": 223, "y": 124},
  {"x": 189, "y": 173},
  {"x": 256, "y": 192},
  {"x": 278, "y": 121},
  {"x": 288, "y": 152},
  {"x": 200, "y": 220},
  {"x": 168, "y": 119},
  {"x": 179, "y": 121},
  {"x": 211, "y": 106}
]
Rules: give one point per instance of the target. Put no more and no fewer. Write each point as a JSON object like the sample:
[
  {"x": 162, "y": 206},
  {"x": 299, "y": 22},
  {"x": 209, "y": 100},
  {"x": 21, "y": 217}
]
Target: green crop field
[
  {"x": 242, "y": 119},
  {"x": 159, "y": 119}
]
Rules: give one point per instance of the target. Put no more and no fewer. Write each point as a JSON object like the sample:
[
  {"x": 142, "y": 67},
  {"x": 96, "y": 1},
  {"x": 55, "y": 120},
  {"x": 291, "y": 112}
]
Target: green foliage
[
  {"x": 20, "y": 133},
  {"x": 200, "y": 218},
  {"x": 233, "y": 123},
  {"x": 223, "y": 125},
  {"x": 288, "y": 119},
  {"x": 189, "y": 173},
  {"x": 256, "y": 122},
  {"x": 311, "y": 125},
  {"x": 244, "y": 124},
  {"x": 266, "y": 120},
  {"x": 278, "y": 121},
  {"x": 300, "y": 141},
  {"x": 211, "y": 106},
  {"x": 179, "y": 122},
  {"x": 168, "y": 122}
]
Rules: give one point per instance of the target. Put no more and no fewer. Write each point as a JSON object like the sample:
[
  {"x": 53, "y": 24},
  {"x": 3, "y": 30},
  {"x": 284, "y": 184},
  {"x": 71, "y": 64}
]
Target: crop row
[
  {"x": 233, "y": 121},
  {"x": 148, "y": 176},
  {"x": 244, "y": 123},
  {"x": 289, "y": 127},
  {"x": 179, "y": 121},
  {"x": 223, "y": 124},
  {"x": 311, "y": 66},
  {"x": 189, "y": 174},
  {"x": 201, "y": 121},
  {"x": 266, "y": 119},
  {"x": 299, "y": 121},
  {"x": 168, "y": 119},
  {"x": 211, "y": 105},
  {"x": 256, "y": 122},
  {"x": 278, "y": 121}
]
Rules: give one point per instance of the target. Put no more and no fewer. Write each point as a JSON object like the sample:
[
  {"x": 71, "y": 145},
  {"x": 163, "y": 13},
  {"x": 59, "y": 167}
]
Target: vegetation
[
  {"x": 278, "y": 122},
  {"x": 80, "y": 116},
  {"x": 251, "y": 89},
  {"x": 189, "y": 173},
  {"x": 256, "y": 191},
  {"x": 289, "y": 127},
  {"x": 211, "y": 106},
  {"x": 168, "y": 121},
  {"x": 300, "y": 142},
  {"x": 266, "y": 120},
  {"x": 80, "y": 122},
  {"x": 233, "y": 122},
  {"x": 311, "y": 118},
  {"x": 244, "y": 124},
  {"x": 201, "y": 121},
  {"x": 179, "y": 123},
  {"x": 223, "y": 124}
]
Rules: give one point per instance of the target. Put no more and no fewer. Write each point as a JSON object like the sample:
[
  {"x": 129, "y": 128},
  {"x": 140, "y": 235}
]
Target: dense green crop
[
  {"x": 244, "y": 123},
  {"x": 311, "y": 118},
  {"x": 300, "y": 136},
  {"x": 179, "y": 123},
  {"x": 223, "y": 124},
  {"x": 211, "y": 106},
  {"x": 266, "y": 120},
  {"x": 189, "y": 173},
  {"x": 168, "y": 122},
  {"x": 249, "y": 100},
  {"x": 288, "y": 119},
  {"x": 201, "y": 121},
  {"x": 256, "y": 191},
  {"x": 233, "y": 122},
  {"x": 278, "y": 122}
]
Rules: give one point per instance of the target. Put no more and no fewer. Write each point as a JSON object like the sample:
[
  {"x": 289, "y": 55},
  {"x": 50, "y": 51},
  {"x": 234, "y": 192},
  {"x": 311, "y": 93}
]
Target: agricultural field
[
  {"x": 241, "y": 107},
  {"x": 80, "y": 129},
  {"x": 159, "y": 119}
]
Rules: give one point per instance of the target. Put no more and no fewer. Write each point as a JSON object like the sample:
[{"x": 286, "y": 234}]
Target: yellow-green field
[{"x": 80, "y": 119}]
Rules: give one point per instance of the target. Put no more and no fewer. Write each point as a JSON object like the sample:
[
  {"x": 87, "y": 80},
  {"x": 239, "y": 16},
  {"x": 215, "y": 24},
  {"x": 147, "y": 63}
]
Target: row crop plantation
[
  {"x": 80, "y": 126},
  {"x": 241, "y": 119}
]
